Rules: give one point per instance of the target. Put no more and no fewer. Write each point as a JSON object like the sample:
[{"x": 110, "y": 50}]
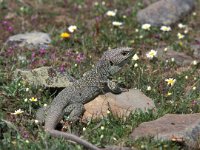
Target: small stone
[
  {"x": 165, "y": 12},
  {"x": 179, "y": 58},
  {"x": 30, "y": 40},
  {"x": 118, "y": 148},
  {"x": 148, "y": 2},
  {"x": 120, "y": 105},
  {"x": 184, "y": 128},
  {"x": 44, "y": 76},
  {"x": 195, "y": 47}
]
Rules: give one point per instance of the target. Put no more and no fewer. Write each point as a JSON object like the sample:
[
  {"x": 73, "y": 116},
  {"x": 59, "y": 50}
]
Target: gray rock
[
  {"x": 180, "y": 58},
  {"x": 30, "y": 40},
  {"x": 183, "y": 128},
  {"x": 44, "y": 76},
  {"x": 118, "y": 148},
  {"x": 195, "y": 47},
  {"x": 165, "y": 12},
  {"x": 148, "y": 2},
  {"x": 120, "y": 105}
]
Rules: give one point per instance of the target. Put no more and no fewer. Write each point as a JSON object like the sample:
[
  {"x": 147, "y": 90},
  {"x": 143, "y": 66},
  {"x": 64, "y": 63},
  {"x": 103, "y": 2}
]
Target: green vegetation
[{"x": 77, "y": 53}]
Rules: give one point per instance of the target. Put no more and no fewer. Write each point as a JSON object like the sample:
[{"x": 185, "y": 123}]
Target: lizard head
[{"x": 114, "y": 59}]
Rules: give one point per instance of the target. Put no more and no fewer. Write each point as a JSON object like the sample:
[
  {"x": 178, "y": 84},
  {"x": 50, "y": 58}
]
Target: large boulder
[
  {"x": 184, "y": 128},
  {"x": 30, "y": 40},
  {"x": 44, "y": 76},
  {"x": 120, "y": 105},
  {"x": 165, "y": 12}
]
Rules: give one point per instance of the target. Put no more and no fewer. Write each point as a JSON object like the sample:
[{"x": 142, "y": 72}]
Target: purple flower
[
  {"x": 5, "y": 22},
  {"x": 80, "y": 57},
  {"x": 62, "y": 68},
  {"x": 69, "y": 53},
  {"x": 10, "y": 29},
  {"x": 10, "y": 51},
  {"x": 42, "y": 51},
  {"x": 33, "y": 55}
]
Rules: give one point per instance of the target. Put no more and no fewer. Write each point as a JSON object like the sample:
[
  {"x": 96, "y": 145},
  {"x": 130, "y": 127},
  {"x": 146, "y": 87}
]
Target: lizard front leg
[
  {"x": 74, "y": 111},
  {"x": 114, "y": 87}
]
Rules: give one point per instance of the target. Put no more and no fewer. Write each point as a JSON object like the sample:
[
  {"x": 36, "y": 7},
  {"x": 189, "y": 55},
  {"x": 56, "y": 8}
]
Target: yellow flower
[
  {"x": 64, "y": 35},
  {"x": 17, "y": 112},
  {"x": 33, "y": 99},
  {"x": 151, "y": 54},
  {"x": 180, "y": 36},
  {"x": 146, "y": 26},
  {"x": 170, "y": 81},
  {"x": 165, "y": 28},
  {"x": 169, "y": 94}
]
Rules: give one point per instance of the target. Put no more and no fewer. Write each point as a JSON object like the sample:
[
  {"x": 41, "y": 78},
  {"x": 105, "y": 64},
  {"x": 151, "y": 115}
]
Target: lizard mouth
[{"x": 127, "y": 58}]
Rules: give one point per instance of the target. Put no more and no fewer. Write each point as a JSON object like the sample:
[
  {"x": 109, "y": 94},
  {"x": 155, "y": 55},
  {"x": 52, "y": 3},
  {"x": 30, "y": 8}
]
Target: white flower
[
  {"x": 172, "y": 59},
  {"x": 27, "y": 141},
  {"x": 102, "y": 127},
  {"x": 151, "y": 54},
  {"x": 180, "y": 36},
  {"x": 45, "y": 105},
  {"x": 181, "y": 26},
  {"x": 141, "y": 36},
  {"x": 194, "y": 13},
  {"x": 72, "y": 28},
  {"x": 116, "y": 23},
  {"x": 124, "y": 16},
  {"x": 27, "y": 89},
  {"x": 101, "y": 136},
  {"x": 148, "y": 88},
  {"x": 194, "y": 62},
  {"x": 165, "y": 28},
  {"x": 194, "y": 88},
  {"x": 26, "y": 99},
  {"x": 17, "y": 112},
  {"x": 84, "y": 128},
  {"x": 135, "y": 57},
  {"x": 186, "y": 77},
  {"x": 136, "y": 30},
  {"x": 136, "y": 65},
  {"x": 186, "y": 31},
  {"x": 111, "y": 13},
  {"x": 108, "y": 112},
  {"x": 36, "y": 121},
  {"x": 114, "y": 139},
  {"x": 96, "y": 4},
  {"x": 146, "y": 26}
]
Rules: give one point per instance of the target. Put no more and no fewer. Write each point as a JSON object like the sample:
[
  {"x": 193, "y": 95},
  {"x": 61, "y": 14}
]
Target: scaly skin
[{"x": 71, "y": 100}]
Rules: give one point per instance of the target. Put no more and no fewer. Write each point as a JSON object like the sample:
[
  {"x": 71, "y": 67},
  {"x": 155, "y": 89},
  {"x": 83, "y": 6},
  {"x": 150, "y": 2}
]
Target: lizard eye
[
  {"x": 124, "y": 53},
  {"x": 111, "y": 63}
]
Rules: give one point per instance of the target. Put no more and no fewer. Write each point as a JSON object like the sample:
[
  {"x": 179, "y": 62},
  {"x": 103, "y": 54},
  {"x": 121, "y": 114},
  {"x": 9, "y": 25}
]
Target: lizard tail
[{"x": 68, "y": 136}]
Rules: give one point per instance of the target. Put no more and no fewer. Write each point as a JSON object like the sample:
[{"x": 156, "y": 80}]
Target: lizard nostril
[
  {"x": 124, "y": 53},
  {"x": 111, "y": 63}
]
